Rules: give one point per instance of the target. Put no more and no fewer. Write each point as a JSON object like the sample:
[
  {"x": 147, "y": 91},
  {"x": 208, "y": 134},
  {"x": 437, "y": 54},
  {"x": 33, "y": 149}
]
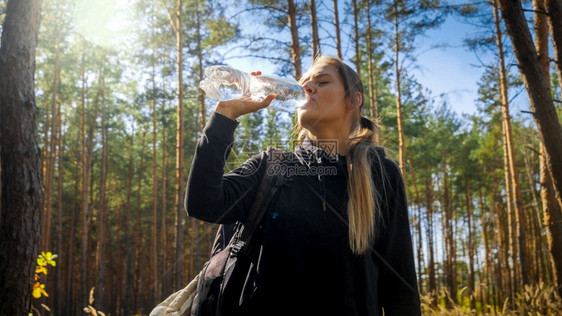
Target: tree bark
[
  {"x": 399, "y": 117},
  {"x": 471, "y": 277},
  {"x": 373, "y": 82},
  {"x": 418, "y": 225},
  {"x": 432, "y": 282},
  {"x": 512, "y": 163},
  {"x": 541, "y": 45},
  {"x": 552, "y": 221},
  {"x": 448, "y": 231},
  {"x": 485, "y": 241},
  {"x": 22, "y": 195},
  {"x": 180, "y": 213},
  {"x": 316, "y": 51},
  {"x": 164, "y": 229},
  {"x": 129, "y": 237},
  {"x": 295, "y": 48},
  {"x": 337, "y": 29},
  {"x": 554, "y": 12},
  {"x": 101, "y": 281},
  {"x": 356, "y": 36}
]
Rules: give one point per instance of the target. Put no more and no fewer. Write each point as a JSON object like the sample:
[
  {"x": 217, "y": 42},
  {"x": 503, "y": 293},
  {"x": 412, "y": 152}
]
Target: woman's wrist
[{"x": 227, "y": 111}]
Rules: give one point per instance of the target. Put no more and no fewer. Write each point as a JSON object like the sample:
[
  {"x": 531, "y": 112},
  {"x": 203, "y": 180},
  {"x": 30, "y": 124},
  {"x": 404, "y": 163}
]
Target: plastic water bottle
[{"x": 226, "y": 83}]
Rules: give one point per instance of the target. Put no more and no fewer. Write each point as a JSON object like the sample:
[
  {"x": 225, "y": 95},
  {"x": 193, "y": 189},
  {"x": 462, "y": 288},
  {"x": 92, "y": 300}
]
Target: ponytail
[{"x": 363, "y": 208}]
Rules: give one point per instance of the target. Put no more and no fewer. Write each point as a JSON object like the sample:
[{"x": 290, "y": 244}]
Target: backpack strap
[{"x": 272, "y": 179}]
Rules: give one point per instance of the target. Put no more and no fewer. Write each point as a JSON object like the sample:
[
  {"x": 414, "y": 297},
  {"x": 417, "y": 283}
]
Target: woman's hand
[{"x": 233, "y": 109}]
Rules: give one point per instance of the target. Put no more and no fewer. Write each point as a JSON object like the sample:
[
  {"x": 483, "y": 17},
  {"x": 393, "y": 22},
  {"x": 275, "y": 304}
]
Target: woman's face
[{"x": 326, "y": 102}]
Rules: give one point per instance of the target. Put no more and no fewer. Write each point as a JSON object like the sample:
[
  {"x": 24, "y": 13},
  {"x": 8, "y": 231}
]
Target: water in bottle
[{"x": 227, "y": 83}]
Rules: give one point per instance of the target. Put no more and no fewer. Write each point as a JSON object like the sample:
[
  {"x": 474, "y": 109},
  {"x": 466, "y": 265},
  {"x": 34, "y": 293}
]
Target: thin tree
[
  {"x": 176, "y": 22},
  {"x": 356, "y": 16},
  {"x": 337, "y": 29},
  {"x": 295, "y": 47},
  {"x": 554, "y": 14},
  {"x": 316, "y": 51},
  {"x": 20, "y": 159},
  {"x": 101, "y": 218},
  {"x": 371, "y": 69},
  {"x": 517, "y": 207}
]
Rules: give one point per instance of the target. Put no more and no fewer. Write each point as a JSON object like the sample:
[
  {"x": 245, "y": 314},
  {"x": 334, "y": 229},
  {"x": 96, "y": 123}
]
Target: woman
[{"x": 335, "y": 240}]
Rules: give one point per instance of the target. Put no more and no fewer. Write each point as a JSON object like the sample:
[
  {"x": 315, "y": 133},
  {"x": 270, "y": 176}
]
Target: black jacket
[{"x": 306, "y": 266}]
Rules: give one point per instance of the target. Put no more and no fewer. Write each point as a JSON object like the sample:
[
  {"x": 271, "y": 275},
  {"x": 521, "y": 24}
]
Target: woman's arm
[
  {"x": 398, "y": 290},
  {"x": 211, "y": 195}
]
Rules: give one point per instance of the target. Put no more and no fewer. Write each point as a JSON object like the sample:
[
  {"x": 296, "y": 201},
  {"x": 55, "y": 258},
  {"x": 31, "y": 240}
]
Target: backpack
[{"x": 225, "y": 282}]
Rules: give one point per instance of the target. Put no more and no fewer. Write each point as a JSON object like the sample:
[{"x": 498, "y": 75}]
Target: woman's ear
[
  {"x": 356, "y": 100},
  {"x": 359, "y": 99}
]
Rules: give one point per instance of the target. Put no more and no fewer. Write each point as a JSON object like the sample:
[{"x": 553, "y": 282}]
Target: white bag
[{"x": 179, "y": 303}]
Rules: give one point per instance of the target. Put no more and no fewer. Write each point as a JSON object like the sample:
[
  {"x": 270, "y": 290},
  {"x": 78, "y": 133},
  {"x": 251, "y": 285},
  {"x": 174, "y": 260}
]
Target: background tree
[{"x": 540, "y": 97}]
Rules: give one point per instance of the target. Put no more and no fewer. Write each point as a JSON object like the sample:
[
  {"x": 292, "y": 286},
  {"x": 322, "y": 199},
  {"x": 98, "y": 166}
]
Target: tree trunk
[
  {"x": 471, "y": 277},
  {"x": 514, "y": 170},
  {"x": 129, "y": 240},
  {"x": 156, "y": 296},
  {"x": 316, "y": 51},
  {"x": 180, "y": 213},
  {"x": 510, "y": 224},
  {"x": 200, "y": 62},
  {"x": 101, "y": 282},
  {"x": 552, "y": 221},
  {"x": 295, "y": 49},
  {"x": 138, "y": 258},
  {"x": 373, "y": 83},
  {"x": 432, "y": 282},
  {"x": 554, "y": 13},
  {"x": 551, "y": 208},
  {"x": 84, "y": 189},
  {"x": 22, "y": 195},
  {"x": 50, "y": 154},
  {"x": 542, "y": 105},
  {"x": 164, "y": 228},
  {"x": 60, "y": 281},
  {"x": 399, "y": 117},
  {"x": 487, "y": 255},
  {"x": 337, "y": 29},
  {"x": 356, "y": 36},
  {"x": 419, "y": 249},
  {"x": 448, "y": 232}
]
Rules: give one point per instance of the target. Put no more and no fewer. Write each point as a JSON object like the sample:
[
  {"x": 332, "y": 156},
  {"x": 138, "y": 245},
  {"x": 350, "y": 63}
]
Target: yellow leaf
[
  {"x": 41, "y": 261},
  {"x": 38, "y": 290},
  {"x": 37, "y": 293},
  {"x": 41, "y": 269}
]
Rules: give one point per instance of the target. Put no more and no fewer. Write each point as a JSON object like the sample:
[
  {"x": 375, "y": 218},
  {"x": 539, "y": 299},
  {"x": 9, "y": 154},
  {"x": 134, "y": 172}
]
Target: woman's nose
[{"x": 309, "y": 87}]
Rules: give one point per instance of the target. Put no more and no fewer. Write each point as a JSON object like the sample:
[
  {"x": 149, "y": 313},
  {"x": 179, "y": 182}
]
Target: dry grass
[{"x": 536, "y": 300}]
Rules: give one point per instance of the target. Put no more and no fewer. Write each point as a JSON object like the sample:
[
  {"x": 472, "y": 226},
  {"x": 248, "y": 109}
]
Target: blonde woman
[{"x": 335, "y": 240}]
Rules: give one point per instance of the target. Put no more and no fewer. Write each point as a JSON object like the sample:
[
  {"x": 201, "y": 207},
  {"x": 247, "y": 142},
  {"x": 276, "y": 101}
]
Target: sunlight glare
[{"x": 102, "y": 22}]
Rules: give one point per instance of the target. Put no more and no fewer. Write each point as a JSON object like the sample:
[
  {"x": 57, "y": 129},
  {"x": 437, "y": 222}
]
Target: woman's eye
[{"x": 321, "y": 83}]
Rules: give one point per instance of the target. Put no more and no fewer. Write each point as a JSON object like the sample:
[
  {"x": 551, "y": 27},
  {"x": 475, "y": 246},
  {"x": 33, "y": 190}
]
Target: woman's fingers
[{"x": 238, "y": 107}]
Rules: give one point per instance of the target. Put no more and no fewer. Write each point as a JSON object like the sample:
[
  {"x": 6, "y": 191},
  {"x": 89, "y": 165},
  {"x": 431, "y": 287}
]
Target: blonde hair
[{"x": 363, "y": 207}]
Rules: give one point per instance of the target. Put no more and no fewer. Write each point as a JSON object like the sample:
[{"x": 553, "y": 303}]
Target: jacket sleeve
[
  {"x": 398, "y": 290},
  {"x": 211, "y": 195}
]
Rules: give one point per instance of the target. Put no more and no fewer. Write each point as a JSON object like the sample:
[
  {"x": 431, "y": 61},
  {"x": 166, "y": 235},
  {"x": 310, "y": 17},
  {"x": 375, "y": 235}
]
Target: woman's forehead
[{"x": 321, "y": 70}]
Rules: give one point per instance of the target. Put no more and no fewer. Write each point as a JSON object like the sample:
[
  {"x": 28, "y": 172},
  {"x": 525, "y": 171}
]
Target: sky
[{"x": 451, "y": 69}]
